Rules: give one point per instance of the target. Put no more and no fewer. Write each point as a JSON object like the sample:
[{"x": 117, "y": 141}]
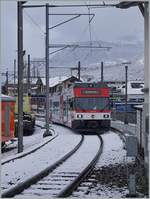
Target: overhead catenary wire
[
  {"x": 90, "y": 27},
  {"x": 41, "y": 31},
  {"x": 64, "y": 22},
  {"x": 89, "y": 23},
  {"x": 34, "y": 22}
]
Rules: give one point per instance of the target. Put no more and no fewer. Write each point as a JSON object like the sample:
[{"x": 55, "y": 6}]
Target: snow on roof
[
  {"x": 52, "y": 81},
  {"x": 35, "y": 87},
  {"x": 55, "y": 80},
  {"x": 134, "y": 87},
  {"x": 34, "y": 80},
  {"x": 11, "y": 81}
]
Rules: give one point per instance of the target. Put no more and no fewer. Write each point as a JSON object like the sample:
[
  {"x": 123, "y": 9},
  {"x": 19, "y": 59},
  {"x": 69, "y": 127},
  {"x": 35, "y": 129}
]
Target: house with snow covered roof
[
  {"x": 56, "y": 84},
  {"x": 38, "y": 85}
]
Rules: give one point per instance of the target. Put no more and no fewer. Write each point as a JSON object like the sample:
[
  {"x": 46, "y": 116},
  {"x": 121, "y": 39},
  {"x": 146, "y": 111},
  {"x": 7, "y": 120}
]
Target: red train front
[
  {"x": 7, "y": 121},
  {"x": 82, "y": 106},
  {"x": 91, "y": 106}
]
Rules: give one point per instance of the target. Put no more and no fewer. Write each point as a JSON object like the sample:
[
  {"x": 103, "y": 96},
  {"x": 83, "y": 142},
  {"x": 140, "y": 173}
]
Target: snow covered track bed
[
  {"x": 30, "y": 143},
  {"x": 109, "y": 177},
  {"x": 66, "y": 173},
  {"x": 27, "y": 152},
  {"x": 16, "y": 172}
]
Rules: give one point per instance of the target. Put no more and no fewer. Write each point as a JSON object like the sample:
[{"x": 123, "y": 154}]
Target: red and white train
[{"x": 82, "y": 106}]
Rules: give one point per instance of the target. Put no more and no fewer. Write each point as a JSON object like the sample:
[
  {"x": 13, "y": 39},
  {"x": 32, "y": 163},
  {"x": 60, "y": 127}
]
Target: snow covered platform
[{"x": 119, "y": 125}]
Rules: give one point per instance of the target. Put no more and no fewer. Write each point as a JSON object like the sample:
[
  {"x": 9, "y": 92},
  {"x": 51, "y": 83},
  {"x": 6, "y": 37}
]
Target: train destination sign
[{"x": 91, "y": 92}]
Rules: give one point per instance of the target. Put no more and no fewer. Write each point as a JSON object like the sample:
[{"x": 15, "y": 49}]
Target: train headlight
[
  {"x": 106, "y": 116},
  {"x": 79, "y": 116}
]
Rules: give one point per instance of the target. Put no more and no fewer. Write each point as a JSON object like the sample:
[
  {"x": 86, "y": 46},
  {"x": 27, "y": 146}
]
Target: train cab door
[
  {"x": 70, "y": 111},
  {"x": 65, "y": 109}
]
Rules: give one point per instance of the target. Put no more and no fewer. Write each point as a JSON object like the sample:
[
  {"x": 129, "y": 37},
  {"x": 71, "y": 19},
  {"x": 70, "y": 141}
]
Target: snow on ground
[
  {"x": 83, "y": 156},
  {"x": 40, "y": 122},
  {"x": 111, "y": 170},
  {"x": 105, "y": 191},
  {"x": 113, "y": 152},
  {"x": 21, "y": 169},
  {"x": 28, "y": 141},
  {"x": 75, "y": 164},
  {"x": 131, "y": 128}
]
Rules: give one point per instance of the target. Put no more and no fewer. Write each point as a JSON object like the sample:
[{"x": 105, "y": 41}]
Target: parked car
[
  {"x": 28, "y": 116},
  {"x": 28, "y": 124}
]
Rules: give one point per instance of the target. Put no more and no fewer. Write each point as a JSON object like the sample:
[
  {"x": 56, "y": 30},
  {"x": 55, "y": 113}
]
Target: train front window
[{"x": 91, "y": 103}]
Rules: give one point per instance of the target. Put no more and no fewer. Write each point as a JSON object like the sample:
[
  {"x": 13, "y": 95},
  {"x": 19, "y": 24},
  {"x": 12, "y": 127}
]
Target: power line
[
  {"x": 34, "y": 22},
  {"x": 90, "y": 32}
]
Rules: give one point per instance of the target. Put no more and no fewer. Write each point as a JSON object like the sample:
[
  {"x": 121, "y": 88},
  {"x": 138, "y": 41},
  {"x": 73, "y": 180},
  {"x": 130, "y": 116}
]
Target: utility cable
[
  {"x": 34, "y": 22},
  {"x": 90, "y": 27}
]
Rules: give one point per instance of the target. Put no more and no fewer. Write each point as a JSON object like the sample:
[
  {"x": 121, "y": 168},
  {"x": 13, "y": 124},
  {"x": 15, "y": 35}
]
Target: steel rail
[
  {"x": 120, "y": 133},
  {"x": 34, "y": 179},
  {"x": 75, "y": 183}
]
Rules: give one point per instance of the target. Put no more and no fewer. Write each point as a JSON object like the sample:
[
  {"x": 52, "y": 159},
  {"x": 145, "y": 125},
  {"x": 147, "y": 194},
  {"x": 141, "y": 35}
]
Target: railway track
[
  {"x": 32, "y": 150},
  {"x": 91, "y": 184},
  {"x": 61, "y": 178},
  {"x": 6, "y": 150}
]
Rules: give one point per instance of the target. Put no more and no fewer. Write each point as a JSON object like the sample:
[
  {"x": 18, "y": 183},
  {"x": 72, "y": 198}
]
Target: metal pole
[
  {"x": 47, "y": 68},
  {"x": 37, "y": 72},
  {"x": 102, "y": 77},
  {"x": 20, "y": 77},
  {"x": 7, "y": 81},
  {"x": 67, "y": 107},
  {"x": 14, "y": 77},
  {"x": 146, "y": 107},
  {"x": 126, "y": 96},
  {"x": 79, "y": 69},
  {"x": 29, "y": 86},
  {"x": 34, "y": 71}
]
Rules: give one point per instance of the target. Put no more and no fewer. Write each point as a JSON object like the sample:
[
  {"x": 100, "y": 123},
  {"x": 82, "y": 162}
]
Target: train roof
[
  {"x": 7, "y": 98},
  {"x": 90, "y": 85}
]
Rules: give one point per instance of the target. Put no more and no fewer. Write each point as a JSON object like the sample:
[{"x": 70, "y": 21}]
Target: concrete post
[
  {"x": 20, "y": 77},
  {"x": 146, "y": 83},
  {"x": 47, "y": 70}
]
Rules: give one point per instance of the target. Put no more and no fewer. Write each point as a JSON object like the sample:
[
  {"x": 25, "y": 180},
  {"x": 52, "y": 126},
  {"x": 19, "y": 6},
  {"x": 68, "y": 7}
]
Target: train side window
[{"x": 71, "y": 104}]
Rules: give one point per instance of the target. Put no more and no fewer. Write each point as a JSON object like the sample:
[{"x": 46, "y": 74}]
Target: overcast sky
[{"x": 109, "y": 24}]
